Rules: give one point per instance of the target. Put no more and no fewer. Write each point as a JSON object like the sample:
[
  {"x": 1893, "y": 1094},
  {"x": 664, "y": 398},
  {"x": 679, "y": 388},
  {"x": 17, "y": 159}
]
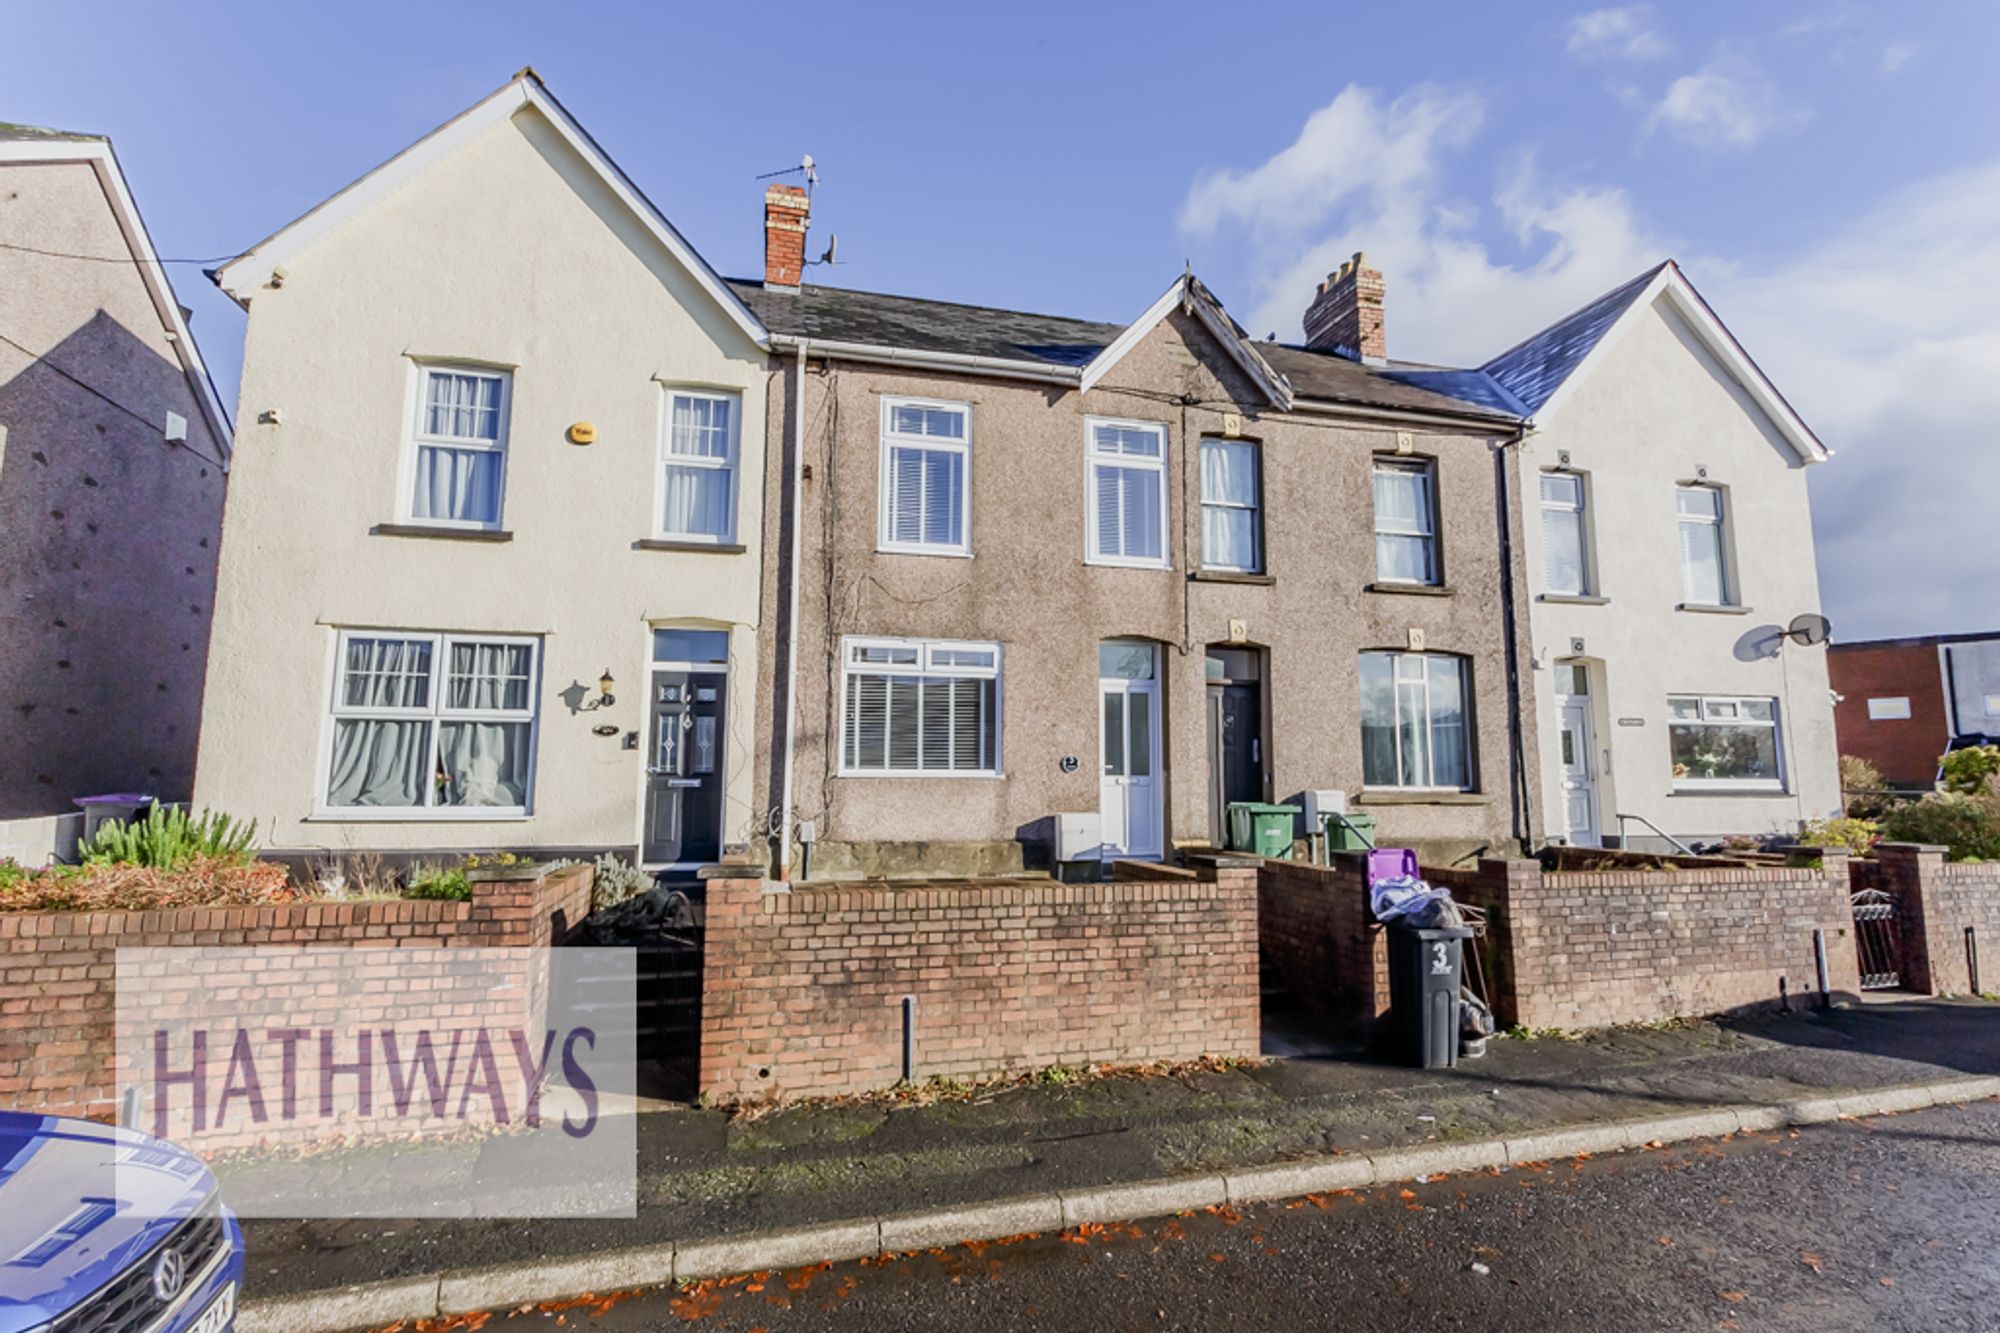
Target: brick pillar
[
  {"x": 737, "y": 1015},
  {"x": 1509, "y": 890},
  {"x": 1910, "y": 875}
]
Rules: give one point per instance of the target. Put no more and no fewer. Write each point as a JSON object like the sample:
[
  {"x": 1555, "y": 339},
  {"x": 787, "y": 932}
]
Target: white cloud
[
  {"x": 1362, "y": 176},
  {"x": 1896, "y": 55},
  {"x": 1882, "y": 333},
  {"x": 1728, "y": 103},
  {"x": 1626, "y": 34}
]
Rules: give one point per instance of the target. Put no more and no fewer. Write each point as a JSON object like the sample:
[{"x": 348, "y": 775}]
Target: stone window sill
[
  {"x": 1413, "y": 589},
  {"x": 1727, "y": 794},
  {"x": 441, "y": 534},
  {"x": 672, "y": 544},
  {"x": 1390, "y": 796},
  {"x": 1231, "y": 576},
  {"x": 1708, "y": 609},
  {"x": 1572, "y": 599}
]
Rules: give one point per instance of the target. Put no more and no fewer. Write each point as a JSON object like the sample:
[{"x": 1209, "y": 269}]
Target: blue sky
[{"x": 1828, "y": 174}]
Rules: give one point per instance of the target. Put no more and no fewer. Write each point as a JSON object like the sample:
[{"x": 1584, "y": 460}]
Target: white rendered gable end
[
  {"x": 254, "y": 269},
  {"x": 1185, "y": 289},
  {"x": 1678, "y": 293}
]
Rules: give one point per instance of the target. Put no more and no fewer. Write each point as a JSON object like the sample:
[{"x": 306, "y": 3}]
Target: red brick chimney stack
[
  {"x": 1345, "y": 316},
  {"x": 785, "y": 211}
]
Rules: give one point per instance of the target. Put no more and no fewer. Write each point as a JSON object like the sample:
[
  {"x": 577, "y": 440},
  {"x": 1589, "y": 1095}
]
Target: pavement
[
  {"x": 1878, "y": 1224},
  {"x": 714, "y": 1189}
]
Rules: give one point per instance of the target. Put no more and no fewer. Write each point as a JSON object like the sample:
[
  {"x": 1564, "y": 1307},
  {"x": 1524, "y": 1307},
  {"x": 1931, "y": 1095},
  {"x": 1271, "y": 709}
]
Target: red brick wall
[
  {"x": 803, "y": 990},
  {"x": 57, "y": 996},
  {"x": 1905, "y": 751},
  {"x": 1317, "y": 933},
  {"x": 1597, "y": 949},
  {"x": 1936, "y": 902}
]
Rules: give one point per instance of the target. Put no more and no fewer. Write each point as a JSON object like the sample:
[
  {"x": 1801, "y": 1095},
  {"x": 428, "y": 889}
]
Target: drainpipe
[
  {"x": 792, "y": 616},
  {"x": 1519, "y": 777}
]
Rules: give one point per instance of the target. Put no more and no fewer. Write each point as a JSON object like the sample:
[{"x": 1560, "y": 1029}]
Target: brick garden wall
[
  {"x": 57, "y": 969},
  {"x": 1317, "y": 934},
  {"x": 1937, "y": 902},
  {"x": 1580, "y": 950},
  {"x": 804, "y": 987}
]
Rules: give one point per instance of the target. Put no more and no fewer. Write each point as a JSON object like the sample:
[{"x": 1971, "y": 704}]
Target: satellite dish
[
  {"x": 1809, "y": 629},
  {"x": 832, "y": 244}
]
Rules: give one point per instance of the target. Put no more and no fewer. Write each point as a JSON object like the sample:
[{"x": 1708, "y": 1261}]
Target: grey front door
[{"x": 684, "y": 772}]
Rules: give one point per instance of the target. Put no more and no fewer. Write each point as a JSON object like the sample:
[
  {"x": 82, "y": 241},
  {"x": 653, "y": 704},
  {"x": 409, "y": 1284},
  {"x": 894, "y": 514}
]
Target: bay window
[
  {"x": 1415, "y": 721},
  {"x": 919, "y": 708},
  {"x": 431, "y": 723},
  {"x": 1724, "y": 742}
]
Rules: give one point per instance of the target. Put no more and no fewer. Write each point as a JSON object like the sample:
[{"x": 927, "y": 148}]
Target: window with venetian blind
[
  {"x": 1704, "y": 549},
  {"x": 1565, "y": 543},
  {"x": 919, "y": 708},
  {"x": 1127, "y": 504},
  {"x": 926, "y": 459}
]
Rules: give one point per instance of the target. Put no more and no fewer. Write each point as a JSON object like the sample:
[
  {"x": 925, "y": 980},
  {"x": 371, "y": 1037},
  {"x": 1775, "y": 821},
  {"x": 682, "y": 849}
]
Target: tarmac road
[{"x": 1886, "y": 1224}]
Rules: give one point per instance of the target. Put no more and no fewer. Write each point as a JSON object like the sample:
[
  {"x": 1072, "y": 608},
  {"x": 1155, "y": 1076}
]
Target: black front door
[{"x": 684, "y": 775}]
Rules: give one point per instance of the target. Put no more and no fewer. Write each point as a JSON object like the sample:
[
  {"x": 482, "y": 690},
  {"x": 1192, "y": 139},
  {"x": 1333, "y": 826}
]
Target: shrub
[
  {"x": 199, "y": 881},
  {"x": 1967, "y": 827},
  {"x": 1968, "y": 771},
  {"x": 430, "y": 880},
  {"x": 167, "y": 839},
  {"x": 1857, "y": 835},
  {"x": 1862, "y": 789},
  {"x": 615, "y": 882}
]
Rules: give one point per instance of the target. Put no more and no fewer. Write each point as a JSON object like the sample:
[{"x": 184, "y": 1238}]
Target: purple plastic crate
[{"x": 1391, "y": 863}]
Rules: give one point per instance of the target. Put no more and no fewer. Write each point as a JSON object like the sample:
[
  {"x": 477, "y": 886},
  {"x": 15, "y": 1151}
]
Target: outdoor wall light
[{"x": 604, "y": 683}]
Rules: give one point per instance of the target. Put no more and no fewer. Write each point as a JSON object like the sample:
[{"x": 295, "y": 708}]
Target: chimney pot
[
  {"x": 786, "y": 210},
  {"x": 1345, "y": 316}
]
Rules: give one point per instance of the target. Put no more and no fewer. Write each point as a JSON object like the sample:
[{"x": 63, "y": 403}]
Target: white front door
[
  {"x": 1128, "y": 695},
  {"x": 1579, "y": 773}
]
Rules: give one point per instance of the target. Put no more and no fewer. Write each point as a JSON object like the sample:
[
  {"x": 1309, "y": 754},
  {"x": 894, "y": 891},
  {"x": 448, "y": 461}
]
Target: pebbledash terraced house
[{"x": 544, "y": 537}]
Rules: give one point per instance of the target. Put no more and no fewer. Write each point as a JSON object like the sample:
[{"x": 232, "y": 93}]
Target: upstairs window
[
  {"x": 1232, "y": 537},
  {"x": 1704, "y": 562},
  {"x": 920, "y": 708},
  {"x": 926, "y": 450},
  {"x": 1724, "y": 743},
  {"x": 1128, "y": 493},
  {"x": 698, "y": 467},
  {"x": 1415, "y": 730},
  {"x": 432, "y": 723},
  {"x": 1565, "y": 558},
  {"x": 1406, "y": 548},
  {"x": 459, "y": 440}
]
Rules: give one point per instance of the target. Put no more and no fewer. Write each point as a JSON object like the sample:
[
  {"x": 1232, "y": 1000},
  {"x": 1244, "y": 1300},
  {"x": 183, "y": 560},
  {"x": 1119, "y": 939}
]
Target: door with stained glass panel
[{"x": 1128, "y": 695}]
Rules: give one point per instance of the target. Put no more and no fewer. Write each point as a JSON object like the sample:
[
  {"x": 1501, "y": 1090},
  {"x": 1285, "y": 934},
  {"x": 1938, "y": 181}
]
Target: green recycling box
[
  {"x": 1357, "y": 834},
  {"x": 1260, "y": 828}
]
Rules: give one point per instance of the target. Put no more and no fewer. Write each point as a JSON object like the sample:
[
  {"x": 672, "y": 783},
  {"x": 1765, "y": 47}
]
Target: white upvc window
[
  {"x": 1232, "y": 529},
  {"x": 1724, "y": 743},
  {"x": 1127, "y": 504},
  {"x": 1704, "y": 545},
  {"x": 919, "y": 708},
  {"x": 698, "y": 462},
  {"x": 1415, "y": 721},
  {"x": 1406, "y": 547},
  {"x": 426, "y": 725},
  {"x": 457, "y": 447},
  {"x": 1565, "y": 536},
  {"x": 926, "y": 484}
]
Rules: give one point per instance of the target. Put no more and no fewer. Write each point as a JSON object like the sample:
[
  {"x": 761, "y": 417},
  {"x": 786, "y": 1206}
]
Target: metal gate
[
  {"x": 665, "y": 929},
  {"x": 1877, "y": 939}
]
